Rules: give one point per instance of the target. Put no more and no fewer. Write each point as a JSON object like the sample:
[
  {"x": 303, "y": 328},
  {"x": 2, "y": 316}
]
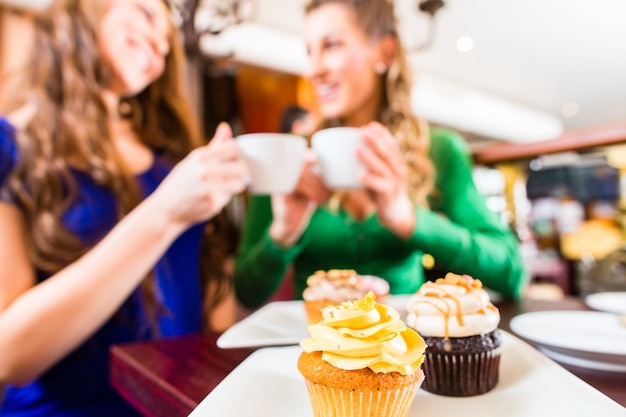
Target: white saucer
[
  {"x": 277, "y": 323},
  {"x": 612, "y": 301},
  {"x": 592, "y": 335},
  {"x": 583, "y": 362}
]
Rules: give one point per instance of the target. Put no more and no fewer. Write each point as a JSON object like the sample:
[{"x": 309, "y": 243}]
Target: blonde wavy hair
[
  {"x": 377, "y": 19},
  {"x": 64, "y": 80}
]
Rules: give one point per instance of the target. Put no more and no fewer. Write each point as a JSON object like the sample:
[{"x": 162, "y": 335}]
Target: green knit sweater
[{"x": 458, "y": 230}]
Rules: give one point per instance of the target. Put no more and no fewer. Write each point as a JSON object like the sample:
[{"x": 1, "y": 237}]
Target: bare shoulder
[
  {"x": 22, "y": 116},
  {"x": 16, "y": 272}
]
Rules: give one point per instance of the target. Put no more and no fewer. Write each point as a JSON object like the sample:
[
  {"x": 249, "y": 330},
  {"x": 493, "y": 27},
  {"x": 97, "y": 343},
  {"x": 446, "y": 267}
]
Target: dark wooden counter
[
  {"x": 571, "y": 141},
  {"x": 170, "y": 377}
]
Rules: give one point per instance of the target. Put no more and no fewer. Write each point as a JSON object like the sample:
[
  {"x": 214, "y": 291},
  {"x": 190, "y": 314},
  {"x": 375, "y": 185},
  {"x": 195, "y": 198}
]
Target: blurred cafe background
[{"x": 536, "y": 87}]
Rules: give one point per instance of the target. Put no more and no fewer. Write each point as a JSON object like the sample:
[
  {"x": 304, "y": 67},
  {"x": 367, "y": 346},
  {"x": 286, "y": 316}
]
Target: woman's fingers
[
  {"x": 310, "y": 184},
  {"x": 385, "y": 174},
  {"x": 378, "y": 185},
  {"x": 227, "y": 171},
  {"x": 205, "y": 181},
  {"x": 222, "y": 132},
  {"x": 385, "y": 138},
  {"x": 385, "y": 148},
  {"x": 375, "y": 165}
]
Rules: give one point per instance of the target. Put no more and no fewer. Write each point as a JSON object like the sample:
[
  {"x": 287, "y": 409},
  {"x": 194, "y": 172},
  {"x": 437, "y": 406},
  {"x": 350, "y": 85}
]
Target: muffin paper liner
[
  {"x": 328, "y": 401},
  {"x": 461, "y": 375}
]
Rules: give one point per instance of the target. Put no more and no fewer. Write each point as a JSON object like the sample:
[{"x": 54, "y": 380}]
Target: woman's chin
[
  {"x": 133, "y": 90},
  {"x": 130, "y": 86},
  {"x": 331, "y": 111}
]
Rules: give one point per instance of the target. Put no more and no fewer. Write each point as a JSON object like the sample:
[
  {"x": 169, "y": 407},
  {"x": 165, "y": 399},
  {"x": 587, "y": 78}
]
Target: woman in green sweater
[{"x": 418, "y": 196}]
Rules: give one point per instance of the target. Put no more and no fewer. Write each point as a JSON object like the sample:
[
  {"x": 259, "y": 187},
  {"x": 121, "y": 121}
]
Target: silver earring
[{"x": 380, "y": 68}]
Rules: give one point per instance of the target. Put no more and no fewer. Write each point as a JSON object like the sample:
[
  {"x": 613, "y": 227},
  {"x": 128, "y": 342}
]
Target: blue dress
[{"x": 79, "y": 384}]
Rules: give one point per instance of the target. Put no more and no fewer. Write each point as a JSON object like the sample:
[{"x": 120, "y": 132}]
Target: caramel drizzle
[{"x": 470, "y": 284}]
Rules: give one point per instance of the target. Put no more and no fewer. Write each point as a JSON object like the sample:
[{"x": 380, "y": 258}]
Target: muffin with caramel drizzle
[
  {"x": 335, "y": 286},
  {"x": 459, "y": 324}
]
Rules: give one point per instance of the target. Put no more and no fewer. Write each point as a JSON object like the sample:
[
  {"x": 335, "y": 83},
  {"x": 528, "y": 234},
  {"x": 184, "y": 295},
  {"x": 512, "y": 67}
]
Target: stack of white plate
[{"x": 587, "y": 339}]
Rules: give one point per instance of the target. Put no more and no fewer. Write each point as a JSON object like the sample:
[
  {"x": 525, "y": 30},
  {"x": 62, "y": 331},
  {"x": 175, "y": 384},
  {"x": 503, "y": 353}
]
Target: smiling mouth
[
  {"x": 326, "y": 91},
  {"x": 143, "y": 60}
]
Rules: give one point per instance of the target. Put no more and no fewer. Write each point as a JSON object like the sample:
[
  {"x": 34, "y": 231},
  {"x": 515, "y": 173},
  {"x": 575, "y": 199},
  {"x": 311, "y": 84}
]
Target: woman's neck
[
  {"x": 365, "y": 114},
  {"x": 133, "y": 152},
  {"x": 366, "y": 111},
  {"x": 22, "y": 116},
  {"x": 112, "y": 102}
]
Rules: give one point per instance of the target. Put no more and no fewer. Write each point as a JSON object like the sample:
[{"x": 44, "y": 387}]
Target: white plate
[
  {"x": 613, "y": 302},
  {"x": 268, "y": 384},
  {"x": 593, "y": 335},
  {"x": 279, "y": 323},
  {"x": 582, "y": 362}
]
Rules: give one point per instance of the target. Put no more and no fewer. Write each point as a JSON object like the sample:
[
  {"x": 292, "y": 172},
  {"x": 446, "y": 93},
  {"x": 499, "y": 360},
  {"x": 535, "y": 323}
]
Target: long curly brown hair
[
  {"x": 71, "y": 129},
  {"x": 377, "y": 19}
]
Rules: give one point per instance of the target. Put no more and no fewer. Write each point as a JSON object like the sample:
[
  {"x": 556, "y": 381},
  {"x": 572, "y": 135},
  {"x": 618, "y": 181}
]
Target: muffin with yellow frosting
[
  {"x": 459, "y": 323},
  {"x": 361, "y": 361},
  {"x": 335, "y": 286}
]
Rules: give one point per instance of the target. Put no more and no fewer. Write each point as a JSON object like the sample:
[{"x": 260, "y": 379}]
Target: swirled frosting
[
  {"x": 342, "y": 285},
  {"x": 454, "y": 306},
  {"x": 362, "y": 334}
]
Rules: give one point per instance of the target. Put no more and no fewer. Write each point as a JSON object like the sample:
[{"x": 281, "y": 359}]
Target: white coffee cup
[
  {"x": 274, "y": 160},
  {"x": 335, "y": 148}
]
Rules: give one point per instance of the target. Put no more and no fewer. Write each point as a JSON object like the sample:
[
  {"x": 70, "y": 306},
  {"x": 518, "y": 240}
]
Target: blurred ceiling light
[
  {"x": 465, "y": 43},
  {"x": 569, "y": 109}
]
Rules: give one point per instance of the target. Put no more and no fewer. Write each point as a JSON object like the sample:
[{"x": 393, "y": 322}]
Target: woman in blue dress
[{"x": 106, "y": 198}]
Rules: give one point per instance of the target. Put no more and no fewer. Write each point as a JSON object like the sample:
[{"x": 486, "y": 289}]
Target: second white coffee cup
[
  {"x": 336, "y": 148},
  {"x": 275, "y": 161}
]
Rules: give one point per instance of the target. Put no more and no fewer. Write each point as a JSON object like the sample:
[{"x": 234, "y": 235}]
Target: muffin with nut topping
[
  {"x": 361, "y": 361},
  {"x": 459, "y": 324},
  {"x": 335, "y": 286}
]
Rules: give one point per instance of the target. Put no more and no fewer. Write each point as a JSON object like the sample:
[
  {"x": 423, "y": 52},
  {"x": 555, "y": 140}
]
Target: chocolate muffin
[
  {"x": 459, "y": 325},
  {"x": 462, "y": 366}
]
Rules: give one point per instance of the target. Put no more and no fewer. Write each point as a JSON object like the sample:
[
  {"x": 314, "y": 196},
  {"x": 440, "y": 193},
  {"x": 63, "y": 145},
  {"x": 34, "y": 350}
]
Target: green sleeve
[
  {"x": 260, "y": 264},
  {"x": 464, "y": 235}
]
